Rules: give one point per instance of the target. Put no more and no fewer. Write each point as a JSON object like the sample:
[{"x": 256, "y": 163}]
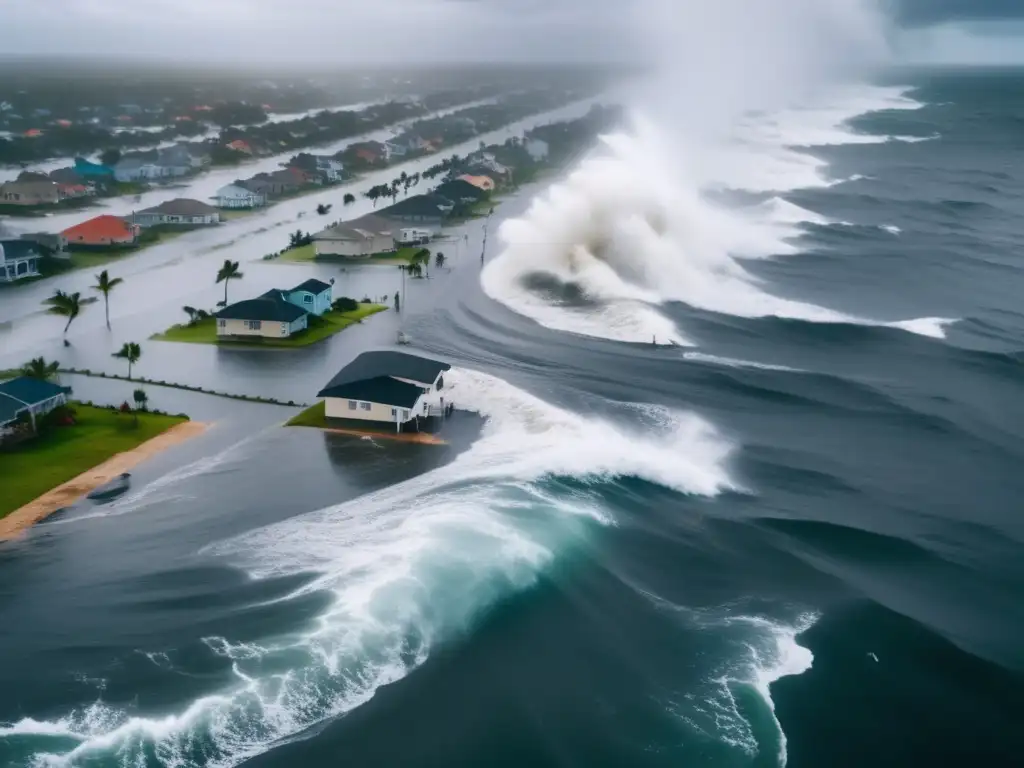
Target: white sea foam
[
  {"x": 408, "y": 566},
  {"x": 631, "y": 229}
]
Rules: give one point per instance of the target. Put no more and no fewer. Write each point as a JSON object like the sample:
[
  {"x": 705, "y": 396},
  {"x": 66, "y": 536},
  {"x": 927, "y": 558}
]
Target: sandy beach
[
  {"x": 424, "y": 438},
  {"x": 74, "y": 489}
]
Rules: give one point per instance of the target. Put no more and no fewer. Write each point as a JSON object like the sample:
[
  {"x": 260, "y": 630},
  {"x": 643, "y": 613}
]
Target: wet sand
[
  {"x": 403, "y": 437},
  {"x": 74, "y": 489}
]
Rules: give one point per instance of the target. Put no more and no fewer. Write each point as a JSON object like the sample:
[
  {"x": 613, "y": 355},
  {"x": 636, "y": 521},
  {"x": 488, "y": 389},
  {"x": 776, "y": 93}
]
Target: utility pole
[{"x": 483, "y": 249}]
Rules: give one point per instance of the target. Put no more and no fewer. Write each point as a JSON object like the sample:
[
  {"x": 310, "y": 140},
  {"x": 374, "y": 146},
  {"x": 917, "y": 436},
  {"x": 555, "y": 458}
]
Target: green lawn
[
  {"x": 32, "y": 468},
  {"x": 205, "y": 331},
  {"x": 314, "y": 416},
  {"x": 307, "y": 254}
]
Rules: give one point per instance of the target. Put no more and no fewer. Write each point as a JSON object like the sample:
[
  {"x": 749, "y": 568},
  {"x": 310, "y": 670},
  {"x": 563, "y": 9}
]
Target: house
[
  {"x": 235, "y": 196},
  {"x": 105, "y": 230},
  {"x": 370, "y": 151},
  {"x": 268, "y": 316},
  {"x": 93, "y": 171},
  {"x": 177, "y": 160},
  {"x": 238, "y": 145},
  {"x": 537, "y": 149},
  {"x": 71, "y": 191},
  {"x": 364, "y": 236},
  {"x": 426, "y": 211},
  {"x": 138, "y": 169},
  {"x": 387, "y": 388},
  {"x": 28, "y": 397},
  {"x": 320, "y": 168},
  {"x": 19, "y": 259},
  {"x": 180, "y": 211},
  {"x": 485, "y": 183},
  {"x": 50, "y": 244},
  {"x": 67, "y": 176},
  {"x": 461, "y": 191},
  {"x": 313, "y": 296},
  {"x": 29, "y": 192}
]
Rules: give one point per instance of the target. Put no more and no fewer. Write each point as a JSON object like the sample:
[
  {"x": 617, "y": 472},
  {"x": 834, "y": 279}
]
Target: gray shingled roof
[
  {"x": 182, "y": 207},
  {"x": 271, "y": 307},
  {"x": 372, "y": 365}
]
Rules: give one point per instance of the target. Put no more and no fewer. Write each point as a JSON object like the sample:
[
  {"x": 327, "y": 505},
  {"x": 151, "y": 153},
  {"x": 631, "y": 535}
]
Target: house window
[
  {"x": 307, "y": 299},
  {"x": 222, "y": 323},
  {"x": 365, "y": 406},
  {"x": 254, "y": 325},
  {"x": 352, "y": 405}
]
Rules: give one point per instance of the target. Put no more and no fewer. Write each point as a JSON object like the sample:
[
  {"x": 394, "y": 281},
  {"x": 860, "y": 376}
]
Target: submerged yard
[
  {"x": 60, "y": 453},
  {"x": 205, "y": 331}
]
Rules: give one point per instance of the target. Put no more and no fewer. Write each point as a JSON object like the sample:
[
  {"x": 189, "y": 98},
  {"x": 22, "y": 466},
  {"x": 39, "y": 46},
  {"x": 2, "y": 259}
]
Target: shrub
[{"x": 344, "y": 304}]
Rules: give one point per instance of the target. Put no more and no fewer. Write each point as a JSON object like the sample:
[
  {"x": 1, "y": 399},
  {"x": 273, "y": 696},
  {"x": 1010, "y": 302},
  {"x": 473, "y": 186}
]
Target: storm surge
[
  {"x": 640, "y": 224},
  {"x": 406, "y": 568}
]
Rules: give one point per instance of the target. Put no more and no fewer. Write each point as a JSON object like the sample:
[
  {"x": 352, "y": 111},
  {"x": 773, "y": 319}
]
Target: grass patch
[
  {"x": 58, "y": 454},
  {"x": 314, "y": 416},
  {"x": 304, "y": 253},
  {"x": 205, "y": 331}
]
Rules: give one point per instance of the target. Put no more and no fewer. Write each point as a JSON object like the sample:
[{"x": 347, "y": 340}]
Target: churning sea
[{"x": 743, "y": 487}]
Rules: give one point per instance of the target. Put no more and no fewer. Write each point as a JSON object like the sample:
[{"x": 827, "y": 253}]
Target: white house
[
  {"x": 18, "y": 259},
  {"x": 379, "y": 388},
  {"x": 270, "y": 316},
  {"x": 364, "y": 236},
  {"x": 234, "y": 196},
  {"x": 133, "y": 169},
  {"x": 537, "y": 149},
  {"x": 180, "y": 211}
]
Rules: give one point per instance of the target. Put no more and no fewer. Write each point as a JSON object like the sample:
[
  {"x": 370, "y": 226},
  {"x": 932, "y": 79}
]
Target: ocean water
[{"x": 736, "y": 483}]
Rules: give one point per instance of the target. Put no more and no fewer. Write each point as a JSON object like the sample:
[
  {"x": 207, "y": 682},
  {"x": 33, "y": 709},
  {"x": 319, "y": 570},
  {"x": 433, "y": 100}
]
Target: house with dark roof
[
  {"x": 461, "y": 191},
  {"x": 277, "y": 314},
  {"x": 19, "y": 259},
  {"x": 269, "y": 316},
  {"x": 178, "y": 212},
  {"x": 426, "y": 211},
  {"x": 387, "y": 387},
  {"x": 31, "y": 398}
]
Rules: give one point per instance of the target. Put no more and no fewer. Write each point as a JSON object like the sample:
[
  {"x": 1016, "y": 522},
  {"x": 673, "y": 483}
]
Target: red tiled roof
[{"x": 99, "y": 229}]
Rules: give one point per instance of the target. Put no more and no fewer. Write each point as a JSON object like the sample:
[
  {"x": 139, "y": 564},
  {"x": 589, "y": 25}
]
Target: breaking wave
[
  {"x": 407, "y": 567},
  {"x": 601, "y": 253}
]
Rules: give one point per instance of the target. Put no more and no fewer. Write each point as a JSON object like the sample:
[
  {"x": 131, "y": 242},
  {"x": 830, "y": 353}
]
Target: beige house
[
  {"x": 385, "y": 388},
  {"x": 360, "y": 237},
  {"x": 29, "y": 193},
  {"x": 269, "y": 316}
]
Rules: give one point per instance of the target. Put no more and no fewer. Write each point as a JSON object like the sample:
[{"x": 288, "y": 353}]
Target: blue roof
[{"x": 31, "y": 391}]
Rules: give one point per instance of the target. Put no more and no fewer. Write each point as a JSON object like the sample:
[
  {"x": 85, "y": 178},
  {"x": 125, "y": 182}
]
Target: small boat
[{"x": 115, "y": 487}]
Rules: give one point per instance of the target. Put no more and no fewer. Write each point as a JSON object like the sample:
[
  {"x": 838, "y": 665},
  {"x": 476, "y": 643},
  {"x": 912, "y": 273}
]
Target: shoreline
[
  {"x": 20, "y": 520},
  {"x": 423, "y": 438}
]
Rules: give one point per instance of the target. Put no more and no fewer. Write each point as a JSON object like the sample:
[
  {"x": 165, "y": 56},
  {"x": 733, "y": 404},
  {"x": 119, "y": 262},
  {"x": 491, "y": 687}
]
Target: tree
[
  {"x": 374, "y": 194},
  {"x": 141, "y": 398},
  {"x": 67, "y": 305},
  {"x": 349, "y": 198},
  {"x": 415, "y": 270},
  {"x": 227, "y": 273},
  {"x": 38, "y": 368},
  {"x": 110, "y": 156},
  {"x": 323, "y": 209},
  {"x": 394, "y": 190},
  {"x": 130, "y": 352},
  {"x": 105, "y": 284},
  {"x": 439, "y": 260},
  {"x": 398, "y": 302},
  {"x": 192, "y": 312}
]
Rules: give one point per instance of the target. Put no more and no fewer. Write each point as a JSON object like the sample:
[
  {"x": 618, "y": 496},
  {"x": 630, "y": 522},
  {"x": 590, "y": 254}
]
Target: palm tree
[
  {"x": 439, "y": 260},
  {"x": 141, "y": 398},
  {"x": 130, "y": 352},
  {"x": 192, "y": 313},
  {"x": 105, "y": 284},
  {"x": 227, "y": 272},
  {"x": 67, "y": 305},
  {"x": 38, "y": 368},
  {"x": 349, "y": 198},
  {"x": 374, "y": 194}
]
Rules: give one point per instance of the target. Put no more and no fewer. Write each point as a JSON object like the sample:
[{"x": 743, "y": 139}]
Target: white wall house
[
  {"x": 233, "y": 196},
  {"x": 181, "y": 211},
  {"x": 269, "y": 316},
  {"x": 364, "y": 236},
  {"x": 387, "y": 388}
]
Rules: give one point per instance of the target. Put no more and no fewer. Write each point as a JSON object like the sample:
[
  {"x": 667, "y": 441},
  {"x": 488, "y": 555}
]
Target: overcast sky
[{"x": 375, "y": 31}]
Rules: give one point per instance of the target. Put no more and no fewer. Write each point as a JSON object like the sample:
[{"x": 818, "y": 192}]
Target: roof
[
  {"x": 271, "y": 306},
  {"x": 459, "y": 188},
  {"x": 182, "y": 206},
  {"x": 364, "y": 228},
  {"x": 18, "y": 249},
  {"x": 31, "y": 391},
  {"x": 419, "y": 205},
  {"x": 9, "y": 408},
  {"x": 380, "y": 389},
  {"x": 105, "y": 226},
  {"x": 313, "y": 286},
  {"x": 373, "y": 365}
]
